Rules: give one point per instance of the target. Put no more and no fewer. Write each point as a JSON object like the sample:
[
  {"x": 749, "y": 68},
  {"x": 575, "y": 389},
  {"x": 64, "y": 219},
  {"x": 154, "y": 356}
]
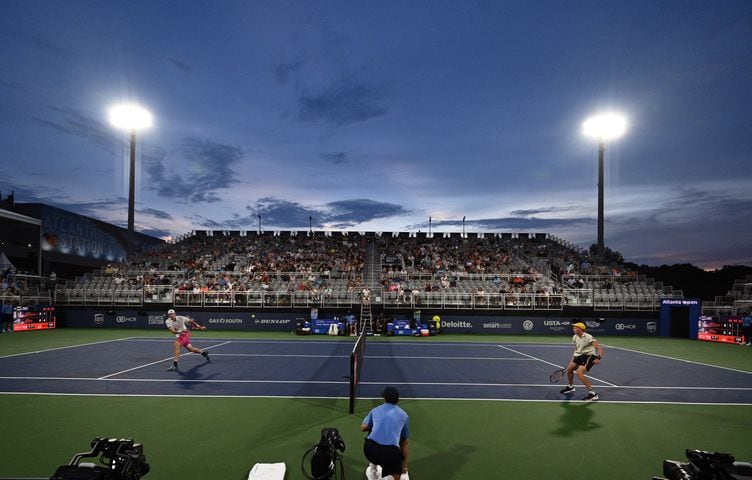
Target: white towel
[{"x": 267, "y": 471}]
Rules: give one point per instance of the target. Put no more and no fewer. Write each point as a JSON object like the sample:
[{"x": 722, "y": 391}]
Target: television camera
[
  {"x": 120, "y": 459},
  {"x": 324, "y": 456},
  {"x": 704, "y": 465}
]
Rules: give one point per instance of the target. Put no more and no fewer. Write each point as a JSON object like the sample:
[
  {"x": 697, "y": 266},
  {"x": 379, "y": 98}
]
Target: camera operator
[{"x": 386, "y": 444}]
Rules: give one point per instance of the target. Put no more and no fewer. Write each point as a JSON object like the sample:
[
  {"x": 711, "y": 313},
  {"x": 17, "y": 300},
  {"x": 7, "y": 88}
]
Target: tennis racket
[{"x": 557, "y": 375}]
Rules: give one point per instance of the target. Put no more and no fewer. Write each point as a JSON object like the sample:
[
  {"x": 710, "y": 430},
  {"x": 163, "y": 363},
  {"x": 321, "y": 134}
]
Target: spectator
[
  {"x": 351, "y": 324},
  {"x": 7, "y": 317}
]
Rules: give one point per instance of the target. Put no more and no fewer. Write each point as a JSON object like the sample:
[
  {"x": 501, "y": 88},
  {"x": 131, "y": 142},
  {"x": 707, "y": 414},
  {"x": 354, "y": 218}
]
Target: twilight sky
[{"x": 375, "y": 116}]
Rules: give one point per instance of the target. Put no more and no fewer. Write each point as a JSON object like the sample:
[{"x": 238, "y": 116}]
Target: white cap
[{"x": 170, "y": 312}]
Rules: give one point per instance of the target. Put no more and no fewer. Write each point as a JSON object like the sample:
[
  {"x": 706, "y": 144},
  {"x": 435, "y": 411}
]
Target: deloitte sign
[{"x": 545, "y": 325}]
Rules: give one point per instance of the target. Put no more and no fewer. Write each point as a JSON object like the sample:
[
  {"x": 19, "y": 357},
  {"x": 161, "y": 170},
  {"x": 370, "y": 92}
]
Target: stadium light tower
[
  {"x": 131, "y": 118},
  {"x": 603, "y": 127}
]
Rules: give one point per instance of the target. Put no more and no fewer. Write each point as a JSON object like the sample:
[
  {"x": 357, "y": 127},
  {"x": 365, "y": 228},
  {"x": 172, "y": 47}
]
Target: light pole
[
  {"x": 131, "y": 118},
  {"x": 603, "y": 127}
]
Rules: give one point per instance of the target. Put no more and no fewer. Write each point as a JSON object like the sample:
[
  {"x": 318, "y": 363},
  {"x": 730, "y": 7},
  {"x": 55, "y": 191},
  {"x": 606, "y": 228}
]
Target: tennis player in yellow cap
[{"x": 587, "y": 352}]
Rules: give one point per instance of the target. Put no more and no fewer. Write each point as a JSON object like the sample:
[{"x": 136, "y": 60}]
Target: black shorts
[
  {"x": 587, "y": 360},
  {"x": 388, "y": 456}
]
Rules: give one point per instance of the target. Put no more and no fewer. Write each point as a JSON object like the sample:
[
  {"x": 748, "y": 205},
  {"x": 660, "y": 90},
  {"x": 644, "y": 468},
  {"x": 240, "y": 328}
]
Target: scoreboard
[
  {"x": 725, "y": 329},
  {"x": 34, "y": 317}
]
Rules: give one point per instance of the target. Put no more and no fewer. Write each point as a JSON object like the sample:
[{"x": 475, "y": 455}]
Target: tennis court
[
  {"x": 478, "y": 406},
  {"x": 320, "y": 369}
]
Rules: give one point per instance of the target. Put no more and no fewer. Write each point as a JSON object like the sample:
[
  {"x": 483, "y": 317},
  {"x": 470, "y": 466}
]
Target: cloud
[
  {"x": 155, "y": 232},
  {"x": 182, "y": 66},
  {"x": 65, "y": 120},
  {"x": 208, "y": 222},
  {"x": 39, "y": 44},
  {"x": 285, "y": 214},
  {"x": 346, "y": 101},
  {"x": 538, "y": 211},
  {"x": 283, "y": 72},
  {"x": 21, "y": 193},
  {"x": 53, "y": 196},
  {"x": 348, "y": 213},
  {"x": 506, "y": 223},
  {"x": 208, "y": 166},
  {"x": 75, "y": 123},
  {"x": 16, "y": 87},
  {"x": 685, "y": 225},
  {"x": 339, "y": 158},
  {"x": 97, "y": 209},
  {"x": 153, "y": 212}
]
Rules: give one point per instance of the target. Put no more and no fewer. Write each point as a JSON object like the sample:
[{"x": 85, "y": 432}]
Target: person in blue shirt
[
  {"x": 7, "y": 314},
  {"x": 351, "y": 325},
  {"x": 747, "y": 328},
  {"x": 386, "y": 444}
]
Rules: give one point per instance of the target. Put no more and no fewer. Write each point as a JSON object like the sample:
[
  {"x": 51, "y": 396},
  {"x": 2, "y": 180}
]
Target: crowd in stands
[
  {"x": 10, "y": 285},
  {"x": 266, "y": 263},
  {"x": 20, "y": 286},
  {"x": 410, "y": 266}
]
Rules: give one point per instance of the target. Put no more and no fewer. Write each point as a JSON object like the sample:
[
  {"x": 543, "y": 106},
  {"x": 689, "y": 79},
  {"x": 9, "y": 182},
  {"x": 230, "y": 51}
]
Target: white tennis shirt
[
  {"x": 180, "y": 323},
  {"x": 583, "y": 345}
]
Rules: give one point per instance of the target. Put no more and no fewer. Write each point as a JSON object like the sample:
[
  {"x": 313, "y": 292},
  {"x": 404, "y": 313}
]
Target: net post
[
  {"x": 353, "y": 360},
  {"x": 356, "y": 363}
]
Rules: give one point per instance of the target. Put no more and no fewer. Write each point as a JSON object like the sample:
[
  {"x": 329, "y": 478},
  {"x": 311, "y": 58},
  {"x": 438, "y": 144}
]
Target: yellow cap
[{"x": 580, "y": 325}]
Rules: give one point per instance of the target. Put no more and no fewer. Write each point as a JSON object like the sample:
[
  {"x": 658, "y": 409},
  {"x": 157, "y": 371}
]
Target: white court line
[
  {"x": 67, "y": 346},
  {"x": 553, "y": 364},
  {"x": 338, "y": 382},
  {"x": 448, "y": 358},
  {"x": 134, "y": 368},
  {"x": 680, "y": 360},
  {"x": 255, "y": 341},
  {"x": 178, "y": 380},
  {"x": 294, "y": 397},
  {"x": 378, "y": 342},
  {"x": 283, "y": 355},
  {"x": 549, "y": 385},
  {"x": 154, "y": 363},
  {"x": 387, "y": 357}
]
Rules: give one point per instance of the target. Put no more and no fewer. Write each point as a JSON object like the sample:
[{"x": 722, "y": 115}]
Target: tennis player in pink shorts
[{"x": 178, "y": 325}]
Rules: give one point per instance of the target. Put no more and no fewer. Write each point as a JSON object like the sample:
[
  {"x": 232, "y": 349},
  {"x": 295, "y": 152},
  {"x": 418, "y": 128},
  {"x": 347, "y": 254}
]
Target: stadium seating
[
  {"x": 737, "y": 301},
  {"x": 488, "y": 271}
]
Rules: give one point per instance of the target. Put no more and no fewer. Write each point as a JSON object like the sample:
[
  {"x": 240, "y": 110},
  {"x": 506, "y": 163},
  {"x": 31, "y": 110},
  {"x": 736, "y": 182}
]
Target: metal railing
[
  {"x": 443, "y": 300},
  {"x": 24, "y": 299}
]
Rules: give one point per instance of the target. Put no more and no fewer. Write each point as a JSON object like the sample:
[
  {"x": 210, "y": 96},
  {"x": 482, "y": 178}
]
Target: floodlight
[
  {"x": 606, "y": 126},
  {"x": 130, "y": 117}
]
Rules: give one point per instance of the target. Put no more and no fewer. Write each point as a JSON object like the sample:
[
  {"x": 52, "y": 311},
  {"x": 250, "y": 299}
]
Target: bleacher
[
  {"x": 737, "y": 301},
  {"x": 23, "y": 288},
  {"x": 491, "y": 271}
]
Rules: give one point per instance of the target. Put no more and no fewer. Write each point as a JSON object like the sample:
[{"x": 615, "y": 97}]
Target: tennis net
[{"x": 356, "y": 363}]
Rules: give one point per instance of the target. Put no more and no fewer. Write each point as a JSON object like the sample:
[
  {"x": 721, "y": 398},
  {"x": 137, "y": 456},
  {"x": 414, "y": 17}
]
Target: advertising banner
[
  {"x": 275, "y": 321},
  {"x": 286, "y": 322},
  {"x": 547, "y": 325}
]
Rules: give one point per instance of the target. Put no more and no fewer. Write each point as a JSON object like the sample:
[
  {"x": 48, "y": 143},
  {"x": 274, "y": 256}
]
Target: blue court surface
[{"x": 320, "y": 368}]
